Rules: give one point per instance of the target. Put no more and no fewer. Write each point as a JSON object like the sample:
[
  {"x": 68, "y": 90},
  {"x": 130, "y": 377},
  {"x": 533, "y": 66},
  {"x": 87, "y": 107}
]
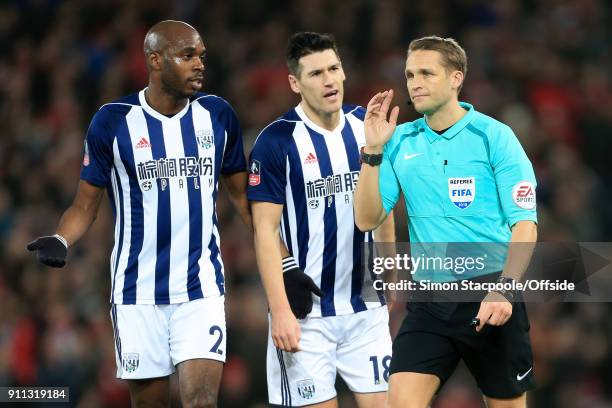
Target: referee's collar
[{"x": 451, "y": 131}]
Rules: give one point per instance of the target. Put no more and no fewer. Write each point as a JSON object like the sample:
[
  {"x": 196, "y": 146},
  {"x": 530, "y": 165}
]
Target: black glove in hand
[
  {"x": 299, "y": 288},
  {"x": 51, "y": 250}
]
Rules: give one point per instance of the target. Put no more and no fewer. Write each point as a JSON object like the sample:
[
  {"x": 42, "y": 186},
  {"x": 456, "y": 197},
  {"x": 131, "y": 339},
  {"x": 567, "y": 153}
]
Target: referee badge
[{"x": 461, "y": 191}]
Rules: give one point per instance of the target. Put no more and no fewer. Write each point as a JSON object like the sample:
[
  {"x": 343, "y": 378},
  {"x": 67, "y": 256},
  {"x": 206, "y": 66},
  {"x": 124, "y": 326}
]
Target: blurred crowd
[{"x": 541, "y": 66}]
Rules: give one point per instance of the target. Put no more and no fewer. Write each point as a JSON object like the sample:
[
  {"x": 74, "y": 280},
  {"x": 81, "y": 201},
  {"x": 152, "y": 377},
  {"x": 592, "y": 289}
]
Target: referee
[{"x": 465, "y": 178}]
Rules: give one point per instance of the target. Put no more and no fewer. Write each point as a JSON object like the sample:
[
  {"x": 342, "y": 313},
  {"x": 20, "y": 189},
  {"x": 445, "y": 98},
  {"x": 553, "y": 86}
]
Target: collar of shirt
[
  {"x": 157, "y": 115},
  {"x": 450, "y": 132},
  {"x": 302, "y": 114}
]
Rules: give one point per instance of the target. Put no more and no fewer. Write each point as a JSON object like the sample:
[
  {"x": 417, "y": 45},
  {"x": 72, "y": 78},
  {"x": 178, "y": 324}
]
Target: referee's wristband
[
  {"x": 370, "y": 159},
  {"x": 508, "y": 294},
  {"x": 289, "y": 263}
]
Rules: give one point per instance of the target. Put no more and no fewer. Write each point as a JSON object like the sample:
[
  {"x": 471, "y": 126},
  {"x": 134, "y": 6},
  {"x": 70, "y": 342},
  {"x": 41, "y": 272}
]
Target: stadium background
[{"x": 542, "y": 66}]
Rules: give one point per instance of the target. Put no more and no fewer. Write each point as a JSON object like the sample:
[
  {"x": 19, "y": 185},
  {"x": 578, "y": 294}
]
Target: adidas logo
[
  {"x": 143, "y": 143},
  {"x": 311, "y": 158}
]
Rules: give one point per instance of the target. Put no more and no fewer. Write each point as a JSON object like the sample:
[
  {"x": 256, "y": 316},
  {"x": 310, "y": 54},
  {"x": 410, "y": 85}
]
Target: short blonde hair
[{"x": 453, "y": 56}]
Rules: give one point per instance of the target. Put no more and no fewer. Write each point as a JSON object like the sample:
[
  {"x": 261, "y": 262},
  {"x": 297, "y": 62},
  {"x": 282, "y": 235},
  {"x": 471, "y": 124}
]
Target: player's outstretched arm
[
  {"x": 52, "y": 250},
  {"x": 285, "y": 329},
  {"x": 379, "y": 125},
  {"x": 236, "y": 185}
]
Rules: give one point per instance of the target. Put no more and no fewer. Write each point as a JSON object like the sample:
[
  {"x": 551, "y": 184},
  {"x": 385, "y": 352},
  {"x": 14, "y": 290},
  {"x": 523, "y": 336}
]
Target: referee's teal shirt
[{"x": 472, "y": 183}]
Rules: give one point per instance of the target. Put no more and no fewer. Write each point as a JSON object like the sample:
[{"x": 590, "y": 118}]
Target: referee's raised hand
[{"x": 379, "y": 124}]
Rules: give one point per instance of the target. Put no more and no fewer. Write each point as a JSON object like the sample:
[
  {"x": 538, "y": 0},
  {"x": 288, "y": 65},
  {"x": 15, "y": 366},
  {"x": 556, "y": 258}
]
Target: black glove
[
  {"x": 50, "y": 250},
  {"x": 299, "y": 288}
]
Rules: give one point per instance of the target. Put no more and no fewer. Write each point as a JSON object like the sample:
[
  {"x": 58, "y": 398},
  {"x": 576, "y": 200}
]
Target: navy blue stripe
[
  {"x": 119, "y": 219},
  {"x": 282, "y": 377},
  {"x": 113, "y": 204},
  {"x": 289, "y": 402},
  {"x": 373, "y": 277},
  {"x": 111, "y": 195},
  {"x": 285, "y": 380},
  {"x": 126, "y": 153},
  {"x": 116, "y": 331},
  {"x": 330, "y": 228},
  {"x": 281, "y": 231},
  {"x": 215, "y": 253},
  {"x": 118, "y": 334},
  {"x": 164, "y": 216},
  {"x": 287, "y": 234},
  {"x": 352, "y": 153},
  {"x": 296, "y": 180},
  {"x": 213, "y": 246},
  {"x": 357, "y": 275},
  {"x": 350, "y": 145},
  {"x": 194, "y": 287}
]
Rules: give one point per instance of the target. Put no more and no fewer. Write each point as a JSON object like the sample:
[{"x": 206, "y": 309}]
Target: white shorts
[
  {"x": 357, "y": 346},
  {"x": 151, "y": 340}
]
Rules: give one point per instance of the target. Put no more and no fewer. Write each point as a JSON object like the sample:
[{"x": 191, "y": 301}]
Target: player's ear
[
  {"x": 456, "y": 79},
  {"x": 154, "y": 60},
  {"x": 293, "y": 83}
]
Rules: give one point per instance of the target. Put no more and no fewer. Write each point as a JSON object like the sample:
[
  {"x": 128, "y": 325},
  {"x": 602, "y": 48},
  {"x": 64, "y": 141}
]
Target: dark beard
[
  {"x": 172, "y": 88},
  {"x": 171, "y": 84}
]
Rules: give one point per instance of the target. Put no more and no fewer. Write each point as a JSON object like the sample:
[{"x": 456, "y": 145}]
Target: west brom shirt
[
  {"x": 312, "y": 172},
  {"x": 161, "y": 174}
]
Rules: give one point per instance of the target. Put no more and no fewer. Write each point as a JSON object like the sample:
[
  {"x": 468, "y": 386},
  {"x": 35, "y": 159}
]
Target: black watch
[{"x": 371, "y": 159}]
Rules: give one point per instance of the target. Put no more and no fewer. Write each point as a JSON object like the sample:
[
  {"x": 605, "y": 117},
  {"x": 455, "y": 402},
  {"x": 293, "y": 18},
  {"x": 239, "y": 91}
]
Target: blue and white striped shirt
[
  {"x": 162, "y": 175},
  {"x": 313, "y": 172}
]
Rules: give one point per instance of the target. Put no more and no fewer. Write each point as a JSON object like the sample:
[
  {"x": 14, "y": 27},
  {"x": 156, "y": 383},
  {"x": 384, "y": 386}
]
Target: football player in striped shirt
[
  {"x": 302, "y": 173},
  {"x": 159, "y": 154}
]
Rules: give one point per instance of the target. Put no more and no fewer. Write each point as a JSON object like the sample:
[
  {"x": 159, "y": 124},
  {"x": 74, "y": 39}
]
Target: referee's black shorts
[{"x": 435, "y": 336}]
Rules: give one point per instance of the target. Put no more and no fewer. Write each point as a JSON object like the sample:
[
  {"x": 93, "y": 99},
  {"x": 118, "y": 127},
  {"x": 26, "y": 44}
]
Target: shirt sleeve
[
  {"x": 388, "y": 184},
  {"x": 514, "y": 176},
  {"x": 98, "y": 151},
  {"x": 233, "y": 157},
  {"x": 267, "y": 170}
]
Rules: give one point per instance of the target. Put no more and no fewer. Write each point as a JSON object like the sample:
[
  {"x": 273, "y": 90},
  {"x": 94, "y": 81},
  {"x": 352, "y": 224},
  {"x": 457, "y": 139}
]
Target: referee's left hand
[{"x": 495, "y": 310}]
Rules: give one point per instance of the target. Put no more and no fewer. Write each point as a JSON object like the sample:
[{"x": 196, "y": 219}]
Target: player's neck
[
  {"x": 328, "y": 121},
  {"x": 446, "y": 116},
  {"x": 163, "y": 102}
]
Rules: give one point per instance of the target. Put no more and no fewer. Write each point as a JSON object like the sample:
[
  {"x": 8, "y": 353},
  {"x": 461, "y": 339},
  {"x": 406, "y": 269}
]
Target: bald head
[
  {"x": 169, "y": 34},
  {"x": 175, "y": 53}
]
